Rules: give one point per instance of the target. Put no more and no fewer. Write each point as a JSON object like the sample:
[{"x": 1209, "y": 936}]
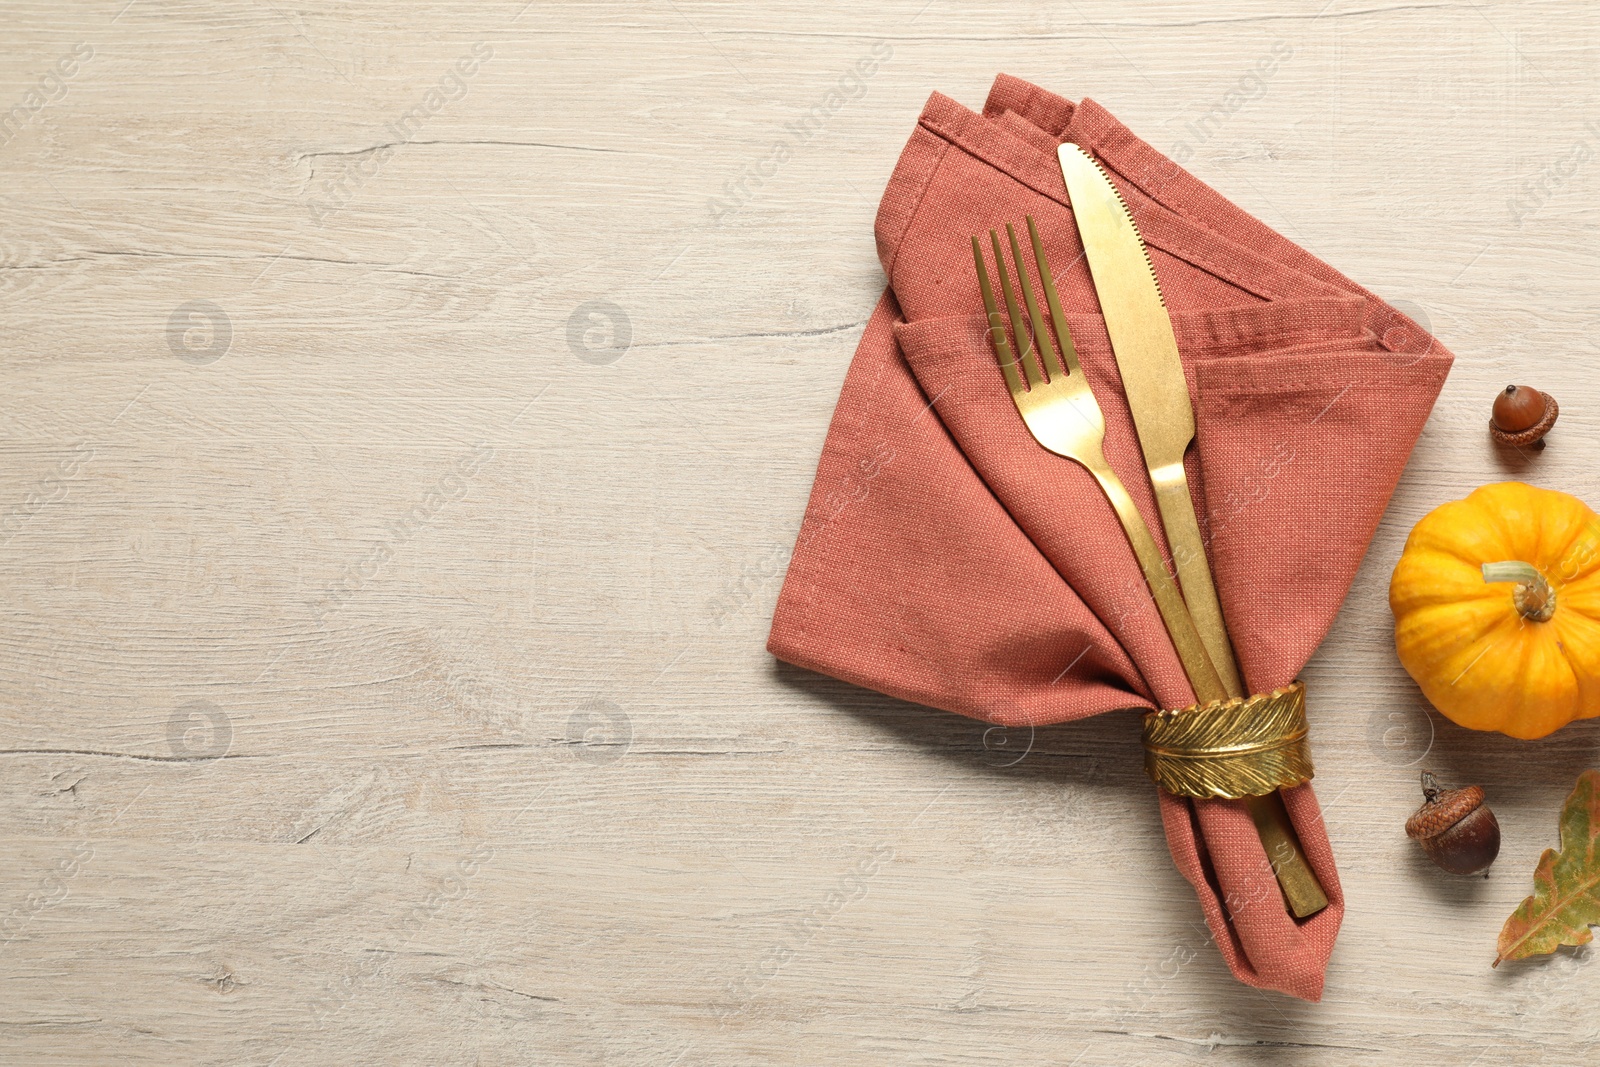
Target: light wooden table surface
[{"x": 401, "y": 450}]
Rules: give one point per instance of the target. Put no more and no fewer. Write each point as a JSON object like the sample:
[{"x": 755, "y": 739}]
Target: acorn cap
[{"x": 1443, "y": 812}]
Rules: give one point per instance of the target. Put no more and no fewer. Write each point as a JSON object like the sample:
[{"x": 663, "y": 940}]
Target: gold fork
[
  {"x": 1060, "y": 410},
  {"x": 1062, "y": 414}
]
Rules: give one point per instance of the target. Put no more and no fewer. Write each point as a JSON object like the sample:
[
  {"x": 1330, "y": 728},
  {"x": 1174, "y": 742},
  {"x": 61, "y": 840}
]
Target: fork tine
[
  {"x": 1029, "y": 369},
  {"x": 1044, "y": 352},
  {"x": 1064, "y": 346},
  {"x": 997, "y": 325}
]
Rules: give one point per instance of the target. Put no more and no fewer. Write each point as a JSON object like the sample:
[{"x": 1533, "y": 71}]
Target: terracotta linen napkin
[{"x": 946, "y": 558}]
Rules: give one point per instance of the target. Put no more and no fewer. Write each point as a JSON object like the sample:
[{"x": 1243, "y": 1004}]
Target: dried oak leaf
[{"x": 1566, "y": 884}]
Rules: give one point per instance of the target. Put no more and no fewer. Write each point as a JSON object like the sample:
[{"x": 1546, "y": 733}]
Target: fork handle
[{"x": 1203, "y": 677}]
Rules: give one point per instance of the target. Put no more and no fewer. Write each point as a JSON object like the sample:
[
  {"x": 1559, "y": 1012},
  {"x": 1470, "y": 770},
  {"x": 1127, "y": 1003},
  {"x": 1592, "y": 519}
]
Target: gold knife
[
  {"x": 1163, "y": 414},
  {"x": 1152, "y": 375}
]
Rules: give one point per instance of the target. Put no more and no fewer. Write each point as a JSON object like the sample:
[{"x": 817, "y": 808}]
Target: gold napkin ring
[{"x": 1240, "y": 747}]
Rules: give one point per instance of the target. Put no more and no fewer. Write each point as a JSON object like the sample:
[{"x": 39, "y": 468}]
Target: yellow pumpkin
[{"x": 1496, "y": 603}]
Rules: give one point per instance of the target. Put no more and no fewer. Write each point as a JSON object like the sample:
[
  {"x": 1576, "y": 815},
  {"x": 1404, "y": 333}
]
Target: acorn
[
  {"x": 1455, "y": 828},
  {"x": 1522, "y": 416}
]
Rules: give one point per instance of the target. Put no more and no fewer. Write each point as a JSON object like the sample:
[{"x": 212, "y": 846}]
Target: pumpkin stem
[{"x": 1533, "y": 596}]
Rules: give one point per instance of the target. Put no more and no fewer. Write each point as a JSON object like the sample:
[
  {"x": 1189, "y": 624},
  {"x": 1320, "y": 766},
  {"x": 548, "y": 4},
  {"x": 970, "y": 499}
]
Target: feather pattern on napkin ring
[{"x": 1234, "y": 748}]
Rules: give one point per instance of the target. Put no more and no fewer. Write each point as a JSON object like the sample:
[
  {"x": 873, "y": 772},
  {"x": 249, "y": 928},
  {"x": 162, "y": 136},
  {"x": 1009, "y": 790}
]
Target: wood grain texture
[{"x": 384, "y": 681}]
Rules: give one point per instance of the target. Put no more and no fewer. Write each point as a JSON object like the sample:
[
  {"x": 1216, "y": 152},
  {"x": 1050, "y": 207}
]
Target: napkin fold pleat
[
  {"x": 905, "y": 576},
  {"x": 945, "y": 558}
]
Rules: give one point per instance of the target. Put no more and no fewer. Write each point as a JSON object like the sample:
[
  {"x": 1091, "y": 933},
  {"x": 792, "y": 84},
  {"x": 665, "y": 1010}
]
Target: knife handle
[
  {"x": 1301, "y": 892},
  {"x": 1194, "y": 572},
  {"x": 1276, "y": 830}
]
